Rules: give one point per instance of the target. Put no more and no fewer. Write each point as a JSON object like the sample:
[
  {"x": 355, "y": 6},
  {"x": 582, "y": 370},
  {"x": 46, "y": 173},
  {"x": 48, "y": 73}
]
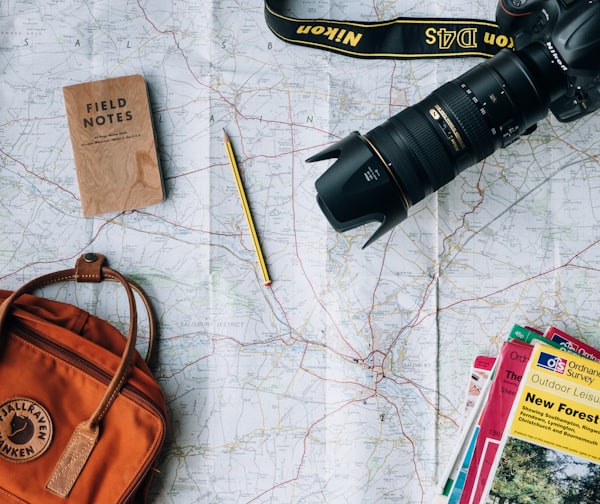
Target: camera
[{"x": 553, "y": 66}]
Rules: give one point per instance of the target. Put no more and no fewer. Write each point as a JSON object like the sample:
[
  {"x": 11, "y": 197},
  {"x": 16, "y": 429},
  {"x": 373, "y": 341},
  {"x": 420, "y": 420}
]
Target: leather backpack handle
[{"x": 90, "y": 268}]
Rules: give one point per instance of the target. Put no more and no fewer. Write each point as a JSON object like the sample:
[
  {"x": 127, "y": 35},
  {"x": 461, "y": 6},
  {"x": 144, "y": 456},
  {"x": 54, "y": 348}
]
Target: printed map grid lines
[{"x": 346, "y": 380}]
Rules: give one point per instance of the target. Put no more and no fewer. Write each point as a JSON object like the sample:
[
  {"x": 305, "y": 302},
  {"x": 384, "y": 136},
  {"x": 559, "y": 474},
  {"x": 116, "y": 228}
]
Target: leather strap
[{"x": 89, "y": 267}]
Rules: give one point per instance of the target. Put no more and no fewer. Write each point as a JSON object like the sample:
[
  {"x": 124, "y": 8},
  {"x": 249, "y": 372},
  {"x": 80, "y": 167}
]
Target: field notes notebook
[{"x": 113, "y": 144}]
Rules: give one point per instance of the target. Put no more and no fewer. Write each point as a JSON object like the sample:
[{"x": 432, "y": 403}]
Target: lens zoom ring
[{"x": 454, "y": 100}]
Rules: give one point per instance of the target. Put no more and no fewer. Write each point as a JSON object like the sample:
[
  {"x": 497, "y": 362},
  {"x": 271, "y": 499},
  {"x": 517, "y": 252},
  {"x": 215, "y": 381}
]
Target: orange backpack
[{"x": 82, "y": 419}]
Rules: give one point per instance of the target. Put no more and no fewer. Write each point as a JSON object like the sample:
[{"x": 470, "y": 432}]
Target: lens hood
[{"x": 358, "y": 188}]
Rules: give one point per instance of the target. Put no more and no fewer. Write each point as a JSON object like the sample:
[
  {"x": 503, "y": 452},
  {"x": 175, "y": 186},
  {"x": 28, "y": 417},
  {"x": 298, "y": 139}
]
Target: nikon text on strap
[{"x": 400, "y": 38}]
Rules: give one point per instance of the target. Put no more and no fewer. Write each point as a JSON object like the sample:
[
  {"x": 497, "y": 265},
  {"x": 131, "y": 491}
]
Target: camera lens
[{"x": 379, "y": 175}]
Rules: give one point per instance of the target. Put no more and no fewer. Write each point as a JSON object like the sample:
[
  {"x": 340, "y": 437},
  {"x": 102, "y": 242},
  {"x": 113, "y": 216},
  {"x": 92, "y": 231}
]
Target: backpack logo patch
[{"x": 25, "y": 429}]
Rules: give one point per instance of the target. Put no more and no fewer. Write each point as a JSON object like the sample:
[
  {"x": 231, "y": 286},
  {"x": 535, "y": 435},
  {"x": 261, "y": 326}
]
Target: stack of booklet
[{"x": 532, "y": 424}]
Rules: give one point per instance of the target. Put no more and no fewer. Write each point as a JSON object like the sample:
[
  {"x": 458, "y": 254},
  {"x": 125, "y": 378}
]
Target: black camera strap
[{"x": 399, "y": 38}]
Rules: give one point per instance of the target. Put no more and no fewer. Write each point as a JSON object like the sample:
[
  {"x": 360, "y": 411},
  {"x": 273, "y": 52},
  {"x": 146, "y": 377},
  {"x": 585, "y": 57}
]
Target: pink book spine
[{"x": 511, "y": 365}]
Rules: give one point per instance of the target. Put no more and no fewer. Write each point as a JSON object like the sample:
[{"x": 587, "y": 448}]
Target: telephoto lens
[{"x": 379, "y": 175}]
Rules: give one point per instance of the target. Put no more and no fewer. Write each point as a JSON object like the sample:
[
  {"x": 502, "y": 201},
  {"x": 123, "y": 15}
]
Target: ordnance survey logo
[
  {"x": 552, "y": 363},
  {"x": 25, "y": 429}
]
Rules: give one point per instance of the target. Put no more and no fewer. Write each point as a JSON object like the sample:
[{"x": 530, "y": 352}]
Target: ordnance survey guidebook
[
  {"x": 113, "y": 144},
  {"x": 511, "y": 366},
  {"x": 551, "y": 444}
]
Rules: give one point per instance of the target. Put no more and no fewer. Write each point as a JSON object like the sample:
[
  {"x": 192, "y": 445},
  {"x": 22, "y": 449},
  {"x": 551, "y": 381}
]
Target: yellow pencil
[{"x": 242, "y": 193}]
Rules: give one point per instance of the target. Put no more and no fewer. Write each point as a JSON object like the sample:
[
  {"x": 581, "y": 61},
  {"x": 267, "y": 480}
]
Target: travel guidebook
[
  {"x": 512, "y": 363},
  {"x": 481, "y": 375},
  {"x": 476, "y": 453},
  {"x": 551, "y": 446},
  {"x": 484, "y": 435}
]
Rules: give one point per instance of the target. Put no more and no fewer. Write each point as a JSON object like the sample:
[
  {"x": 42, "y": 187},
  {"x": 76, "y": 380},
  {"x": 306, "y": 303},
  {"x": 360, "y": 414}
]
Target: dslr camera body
[
  {"x": 555, "y": 66},
  {"x": 571, "y": 32}
]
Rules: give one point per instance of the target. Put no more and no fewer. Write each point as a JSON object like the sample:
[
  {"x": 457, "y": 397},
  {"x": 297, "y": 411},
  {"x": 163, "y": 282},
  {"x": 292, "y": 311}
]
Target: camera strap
[{"x": 399, "y": 38}]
